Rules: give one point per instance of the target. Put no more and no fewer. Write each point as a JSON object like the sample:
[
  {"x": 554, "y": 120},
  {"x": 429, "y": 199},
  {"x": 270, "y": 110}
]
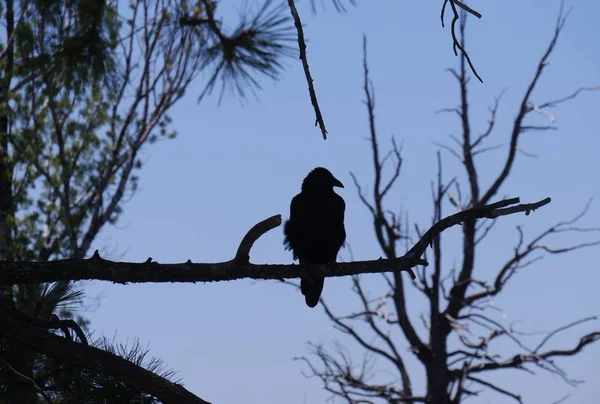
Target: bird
[{"x": 315, "y": 230}]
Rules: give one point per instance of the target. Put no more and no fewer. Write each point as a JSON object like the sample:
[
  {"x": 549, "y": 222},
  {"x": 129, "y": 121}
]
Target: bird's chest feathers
[
  {"x": 320, "y": 206},
  {"x": 320, "y": 215}
]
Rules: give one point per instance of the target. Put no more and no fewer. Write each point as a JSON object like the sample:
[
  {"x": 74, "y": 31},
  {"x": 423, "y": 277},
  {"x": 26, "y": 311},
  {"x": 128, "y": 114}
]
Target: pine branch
[{"x": 12, "y": 327}]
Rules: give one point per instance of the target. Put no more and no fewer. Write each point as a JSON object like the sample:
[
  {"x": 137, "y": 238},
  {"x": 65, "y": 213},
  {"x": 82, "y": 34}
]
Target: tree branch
[
  {"x": 496, "y": 388},
  {"x": 455, "y": 16},
  {"x": 309, "y": 79},
  {"x": 519, "y": 360},
  {"x": 24, "y": 379},
  {"x": 243, "y": 252},
  {"x": 524, "y": 109},
  {"x": 13, "y": 328},
  {"x": 490, "y": 211},
  {"x": 523, "y": 251},
  {"x": 342, "y": 378},
  {"x": 13, "y": 272}
]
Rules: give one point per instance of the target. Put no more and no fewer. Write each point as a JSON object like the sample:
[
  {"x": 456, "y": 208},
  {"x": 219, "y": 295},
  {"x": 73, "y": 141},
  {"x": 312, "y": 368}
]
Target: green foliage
[
  {"x": 40, "y": 301},
  {"x": 70, "y": 42},
  {"x": 96, "y": 388},
  {"x": 255, "y": 48}
]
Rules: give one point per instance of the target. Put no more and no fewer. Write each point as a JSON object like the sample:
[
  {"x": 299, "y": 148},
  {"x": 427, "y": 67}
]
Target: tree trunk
[
  {"x": 437, "y": 381},
  {"x": 6, "y": 169}
]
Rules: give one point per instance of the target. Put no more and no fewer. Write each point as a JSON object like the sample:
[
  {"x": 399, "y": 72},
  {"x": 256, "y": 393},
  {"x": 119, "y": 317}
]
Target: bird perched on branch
[{"x": 315, "y": 231}]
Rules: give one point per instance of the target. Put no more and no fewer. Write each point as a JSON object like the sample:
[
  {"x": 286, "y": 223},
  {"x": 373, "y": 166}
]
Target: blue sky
[{"x": 232, "y": 166}]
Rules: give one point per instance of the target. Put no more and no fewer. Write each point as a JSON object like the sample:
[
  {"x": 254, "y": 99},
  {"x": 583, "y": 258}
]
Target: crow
[{"x": 315, "y": 231}]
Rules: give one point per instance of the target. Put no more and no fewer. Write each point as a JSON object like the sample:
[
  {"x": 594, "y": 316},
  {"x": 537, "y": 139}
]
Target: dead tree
[{"x": 459, "y": 301}]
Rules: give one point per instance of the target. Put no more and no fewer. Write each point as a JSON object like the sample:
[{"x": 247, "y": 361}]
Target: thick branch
[
  {"x": 490, "y": 211},
  {"x": 64, "y": 350},
  {"x": 125, "y": 272},
  {"x": 12, "y": 272}
]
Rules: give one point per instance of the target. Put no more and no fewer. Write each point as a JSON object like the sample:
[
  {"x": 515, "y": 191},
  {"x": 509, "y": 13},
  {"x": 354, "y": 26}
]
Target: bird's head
[{"x": 321, "y": 178}]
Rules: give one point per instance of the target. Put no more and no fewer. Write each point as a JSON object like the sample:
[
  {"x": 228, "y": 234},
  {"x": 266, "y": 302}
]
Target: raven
[{"x": 315, "y": 231}]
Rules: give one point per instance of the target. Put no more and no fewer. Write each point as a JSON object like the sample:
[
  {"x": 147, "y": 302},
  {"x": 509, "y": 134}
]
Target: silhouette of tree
[{"x": 456, "y": 351}]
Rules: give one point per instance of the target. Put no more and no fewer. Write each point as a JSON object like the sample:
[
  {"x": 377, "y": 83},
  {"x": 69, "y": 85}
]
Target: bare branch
[
  {"x": 386, "y": 338},
  {"x": 536, "y": 128},
  {"x": 523, "y": 110},
  {"x": 467, "y": 8},
  {"x": 561, "y": 400},
  {"x": 489, "y": 211},
  {"x": 565, "y": 327},
  {"x": 496, "y": 388},
  {"x": 361, "y": 194},
  {"x": 518, "y": 360},
  {"x": 342, "y": 378},
  {"x": 456, "y": 43},
  {"x": 243, "y": 252},
  {"x": 309, "y": 79},
  {"x": 554, "y": 103},
  {"x": 450, "y": 150},
  {"x": 524, "y": 251},
  {"x": 492, "y": 122}
]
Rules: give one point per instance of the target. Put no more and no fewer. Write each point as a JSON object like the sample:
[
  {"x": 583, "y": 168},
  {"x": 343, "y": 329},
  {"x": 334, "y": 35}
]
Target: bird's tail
[{"x": 312, "y": 288}]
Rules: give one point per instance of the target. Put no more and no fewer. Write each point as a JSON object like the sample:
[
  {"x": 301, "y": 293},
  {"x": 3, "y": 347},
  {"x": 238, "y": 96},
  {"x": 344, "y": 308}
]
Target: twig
[
  {"x": 496, "y": 388},
  {"x": 456, "y": 44},
  {"x": 467, "y": 8},
  {"x": 309, "y": 79},
  {"x": 561, "y": 400},
  {"x": 518, "y": 361},
  {"x": 524, "y": 109},
  {"x": 554, "y": 103},
  {"x": 564, "y": 327}
]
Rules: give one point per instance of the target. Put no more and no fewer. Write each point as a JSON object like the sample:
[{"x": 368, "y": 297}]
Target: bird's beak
[{"x": 337, "y": 183}]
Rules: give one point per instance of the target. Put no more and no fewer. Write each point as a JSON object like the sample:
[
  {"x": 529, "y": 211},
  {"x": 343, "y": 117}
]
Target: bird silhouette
[{"x": 315, "y": 231}]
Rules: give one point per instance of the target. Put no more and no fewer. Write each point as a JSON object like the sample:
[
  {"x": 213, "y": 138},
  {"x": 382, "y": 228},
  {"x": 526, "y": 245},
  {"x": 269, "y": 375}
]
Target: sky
[{"x": 234, "y": 165}]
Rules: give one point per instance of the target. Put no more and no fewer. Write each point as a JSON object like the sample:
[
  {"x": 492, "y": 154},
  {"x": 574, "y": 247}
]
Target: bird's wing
[
  {"x": 290, "y": 228},
  {"x": 339, "y": 210}
]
